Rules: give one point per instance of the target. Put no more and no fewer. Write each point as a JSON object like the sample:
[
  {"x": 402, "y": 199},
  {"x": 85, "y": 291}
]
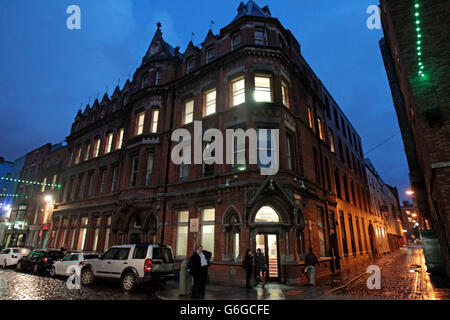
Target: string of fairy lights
[
  {"x": 58, "y": 186},
  {"x": 13, "y": 195},
  {"x": 419, "y": 42}
]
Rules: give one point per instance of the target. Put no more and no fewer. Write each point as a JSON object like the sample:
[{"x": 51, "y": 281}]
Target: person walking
[
  {"x": 247, "y": 264},
  {"x": 261, "y": 267},
  {"x": 310, "y": 262},
  {"x": 194, "y": 267},
  {"x": 205, "y": 257}
]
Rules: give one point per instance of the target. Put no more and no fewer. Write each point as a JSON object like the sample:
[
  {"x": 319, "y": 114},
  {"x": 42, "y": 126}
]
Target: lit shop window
[
  {"x": 182, "y": 233},
  {"x": 207, "y": 234}
]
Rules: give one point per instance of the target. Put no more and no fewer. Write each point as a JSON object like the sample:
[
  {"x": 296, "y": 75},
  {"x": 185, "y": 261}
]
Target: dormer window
[
  {"x": 236, "y": 41},
  {"x": 210, "y": 54},
  {"x": 259, "y": 37},
  {"x": 190, "y": 64},
  {"x": 158, "y": 77}
]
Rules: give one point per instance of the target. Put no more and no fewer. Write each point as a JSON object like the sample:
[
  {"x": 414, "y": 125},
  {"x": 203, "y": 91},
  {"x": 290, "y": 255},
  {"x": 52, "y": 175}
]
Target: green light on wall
[{"x": 417, "y": 5}]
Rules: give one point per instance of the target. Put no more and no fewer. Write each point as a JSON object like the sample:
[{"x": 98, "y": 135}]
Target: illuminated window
[
  {"x": 210, "y": 103},
  {"x": 331, "y": 137},
  {"x": 109, "y": 141},
  {"x": 120, "y": 138},
  {"x": 267, "y": 214},
  {"x": 320, "y": 128},
  {"x": 238, "y": 91},
  {"x": 284, "y": 92},
  {"x": 88, "y": 151},
  {"x": 140, "y": 123},
  {"x": 97, "y": 147},
  {"x": 182, "y": 233},
  {"x": 78, "y": 157},
  {"x": 189, "y": 112},
  {"x": 263, "y": 89},
  {"x": 155, "y": 117},
  {"x": 207, "y": 230},
  {"x": 310, "y": 118}
]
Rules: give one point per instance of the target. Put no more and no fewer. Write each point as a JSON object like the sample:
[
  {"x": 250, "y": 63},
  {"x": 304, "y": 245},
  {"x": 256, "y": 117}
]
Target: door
[{"x": 268, "y": 243}]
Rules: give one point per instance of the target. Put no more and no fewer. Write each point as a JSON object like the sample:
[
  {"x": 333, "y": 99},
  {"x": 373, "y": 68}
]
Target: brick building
[
  {"x": 415, "y": 52},
  {"x": 121, "y": 186},
  {"x": 37, "y": 187}
]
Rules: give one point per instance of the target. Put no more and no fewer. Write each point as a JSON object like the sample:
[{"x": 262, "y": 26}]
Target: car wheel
[
  {"x": 87, "y": 277},
  {"x": 36, "y": 269},
  {"x": 52, "y": 272},
  {"x": 128, "y": 282},
  {"x": 5, "y": 264}
]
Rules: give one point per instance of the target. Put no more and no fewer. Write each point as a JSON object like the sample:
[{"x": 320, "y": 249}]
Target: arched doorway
[{"x": 372, "y": 240}]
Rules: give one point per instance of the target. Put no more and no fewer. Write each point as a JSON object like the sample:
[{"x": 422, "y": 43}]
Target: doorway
[{"x": 268, "y": 243}]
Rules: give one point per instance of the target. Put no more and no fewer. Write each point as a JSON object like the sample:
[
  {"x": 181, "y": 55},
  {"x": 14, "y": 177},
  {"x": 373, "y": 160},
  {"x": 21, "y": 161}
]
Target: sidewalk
[{"x": 278, "y": 291}]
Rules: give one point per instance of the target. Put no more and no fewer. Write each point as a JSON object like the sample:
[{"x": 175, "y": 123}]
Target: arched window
[
  {"x": 267, "y": 214},
  {"x": 232, "y": 227}
]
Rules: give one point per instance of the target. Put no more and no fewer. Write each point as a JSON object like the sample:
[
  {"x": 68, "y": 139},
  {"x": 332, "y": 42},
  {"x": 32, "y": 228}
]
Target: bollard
[{"x": 185, "y": 285}]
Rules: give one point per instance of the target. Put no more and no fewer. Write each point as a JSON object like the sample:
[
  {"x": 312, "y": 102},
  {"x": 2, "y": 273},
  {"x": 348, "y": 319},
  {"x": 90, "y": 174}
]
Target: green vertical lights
[{"x": 420, "y": 65}]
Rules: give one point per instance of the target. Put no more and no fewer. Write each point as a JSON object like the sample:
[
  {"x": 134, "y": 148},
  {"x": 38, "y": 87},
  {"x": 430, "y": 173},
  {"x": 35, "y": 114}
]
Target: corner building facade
[{"x": 120, "y": 185}]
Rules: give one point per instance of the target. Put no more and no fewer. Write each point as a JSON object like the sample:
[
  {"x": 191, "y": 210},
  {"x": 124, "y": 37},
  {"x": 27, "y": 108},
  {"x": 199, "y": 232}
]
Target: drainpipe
[{"x": 166, "y": 181}]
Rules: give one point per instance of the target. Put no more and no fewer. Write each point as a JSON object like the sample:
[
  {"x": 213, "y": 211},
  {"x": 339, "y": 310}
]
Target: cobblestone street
[
  {"x": 402, "y": 277},
  {"x": 16, "y": 285}
]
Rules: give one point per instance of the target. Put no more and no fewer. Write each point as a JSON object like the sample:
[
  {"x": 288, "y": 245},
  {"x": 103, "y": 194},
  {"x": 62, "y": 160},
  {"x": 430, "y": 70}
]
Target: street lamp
[
  {"x": 409, "y": 192},
  {"x": 48, "y": 198}
]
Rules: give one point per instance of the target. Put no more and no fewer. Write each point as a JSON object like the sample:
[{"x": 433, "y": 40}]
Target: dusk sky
[{"x": 48, "y": 71}]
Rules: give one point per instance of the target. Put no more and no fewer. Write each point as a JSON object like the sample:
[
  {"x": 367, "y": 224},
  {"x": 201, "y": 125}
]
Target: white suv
[{"x": 132, "y": 264}]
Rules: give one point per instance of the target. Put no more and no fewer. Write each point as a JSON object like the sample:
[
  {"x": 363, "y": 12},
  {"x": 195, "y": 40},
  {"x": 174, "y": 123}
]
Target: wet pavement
[
  {"x": 16, "y": 285},
  {"x": 403, "y": 276}
]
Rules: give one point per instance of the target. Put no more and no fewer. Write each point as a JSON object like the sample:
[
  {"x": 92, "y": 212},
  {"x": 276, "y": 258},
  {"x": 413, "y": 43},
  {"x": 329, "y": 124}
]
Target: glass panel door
[{"x": 268, "y": 243}]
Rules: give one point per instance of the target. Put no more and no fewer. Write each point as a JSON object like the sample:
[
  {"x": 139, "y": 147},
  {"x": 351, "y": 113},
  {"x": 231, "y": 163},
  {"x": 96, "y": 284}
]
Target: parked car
[
  {"x": 39, "y": 260},
  {"x": 10, "y": 256},
  {"x": 132, "y": 265},
  {"x": 62, "y": 267}
]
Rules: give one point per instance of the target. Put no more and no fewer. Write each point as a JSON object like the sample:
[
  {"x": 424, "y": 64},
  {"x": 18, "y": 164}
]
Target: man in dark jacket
[
  {"x": 205, "y": 256},
  {"x": 194, "y": 266},
  {"x": 310, "y": 262}
]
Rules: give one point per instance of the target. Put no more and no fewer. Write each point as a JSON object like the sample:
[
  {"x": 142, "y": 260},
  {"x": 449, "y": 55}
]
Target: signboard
[{"x": 193, "y": 225}]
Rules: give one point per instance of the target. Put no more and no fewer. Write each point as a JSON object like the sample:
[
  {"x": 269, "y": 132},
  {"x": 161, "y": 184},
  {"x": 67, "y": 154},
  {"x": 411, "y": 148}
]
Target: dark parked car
[{"x": 39, "y": 260}]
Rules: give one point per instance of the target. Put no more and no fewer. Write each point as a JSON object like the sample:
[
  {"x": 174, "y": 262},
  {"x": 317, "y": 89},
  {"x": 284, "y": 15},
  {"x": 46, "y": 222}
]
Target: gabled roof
[
  {"x": 159, "y": 49},
  {"x": 252, "y": 9},
  {"x": 87, "y": 109},
  {"x": 105, "y": 99},
  {"x": 190, "y": 49},
  {"x": 210, "y": 37},
  {"x": 116, "y": 92}
]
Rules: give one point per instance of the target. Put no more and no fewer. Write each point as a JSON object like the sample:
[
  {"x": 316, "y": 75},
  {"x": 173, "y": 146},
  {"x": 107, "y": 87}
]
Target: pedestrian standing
[
  {"x": 194, "y": 266},
  {"x": 247, "y": 264},
  {"x": 310, "y": 262},
  {"x": 261, "y": 267},
  {"x": 205, "y": 256}
]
